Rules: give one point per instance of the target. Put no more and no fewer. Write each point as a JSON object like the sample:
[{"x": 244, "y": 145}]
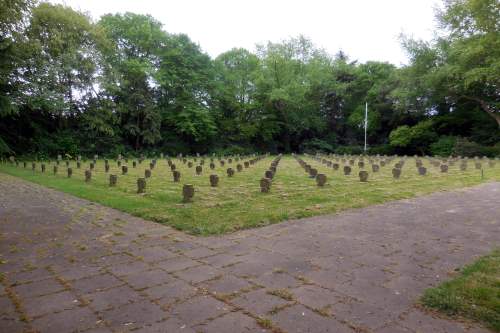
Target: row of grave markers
[{"x": 187, "y": 190}]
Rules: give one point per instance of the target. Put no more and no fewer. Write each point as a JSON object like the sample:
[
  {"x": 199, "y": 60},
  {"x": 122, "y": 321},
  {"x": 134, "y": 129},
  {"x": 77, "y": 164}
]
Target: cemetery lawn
[
  {"x": 237, "y": 202},
  {"x": 474, "y": 294}
]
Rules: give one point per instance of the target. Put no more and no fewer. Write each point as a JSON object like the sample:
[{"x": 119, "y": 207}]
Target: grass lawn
[
  {"x": 474, "y": 294},
  {"x": 237, "y": 202}
]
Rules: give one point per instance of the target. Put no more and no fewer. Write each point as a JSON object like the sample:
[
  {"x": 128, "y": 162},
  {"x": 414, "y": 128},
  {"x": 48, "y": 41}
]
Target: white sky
[{"x": 364, "y": 29}]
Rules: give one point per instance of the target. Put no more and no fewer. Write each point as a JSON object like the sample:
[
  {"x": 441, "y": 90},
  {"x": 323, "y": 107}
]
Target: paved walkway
[{"x": 71, "y": 265}]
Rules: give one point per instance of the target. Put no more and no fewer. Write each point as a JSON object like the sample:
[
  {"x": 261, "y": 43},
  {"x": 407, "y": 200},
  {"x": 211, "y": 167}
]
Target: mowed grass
[
  {"x": 474, "y": 294},
  {"x": 237, "y": 202}
]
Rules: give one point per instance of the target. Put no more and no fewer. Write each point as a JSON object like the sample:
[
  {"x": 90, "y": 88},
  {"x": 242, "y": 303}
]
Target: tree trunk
[
  {"x": 492, "y": 113},
  {"x": 486, "y": 108}
]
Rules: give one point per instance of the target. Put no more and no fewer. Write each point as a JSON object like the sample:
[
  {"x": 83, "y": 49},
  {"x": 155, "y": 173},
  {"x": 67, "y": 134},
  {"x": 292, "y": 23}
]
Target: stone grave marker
[
  {"x": 320, "y": 179},
  {"x": 363, "y": 176},
  {"x": 113, "y": 179},
  {"x": 187, "y": 193},
  {"x": 141, "y": 185},
  {"x": 265, "y": 185},
  {"x": 214, "y": 180}
]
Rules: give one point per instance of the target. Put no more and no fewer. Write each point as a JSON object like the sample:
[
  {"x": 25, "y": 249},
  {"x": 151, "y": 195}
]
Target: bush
[
  {"x": 4, "y": 148},
  {"x": 415, "y": 139},
  {"x": 233, "y": 150},
  {"x": 316, "y": 145},
  {"x": 384, "y": 149},
  {"x": 464, "y": 147},
  {"x": 445, "y": 146},
  {"x": 350, "y": 150}
]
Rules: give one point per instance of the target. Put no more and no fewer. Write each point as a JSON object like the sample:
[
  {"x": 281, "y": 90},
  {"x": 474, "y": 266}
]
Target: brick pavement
[{"x": 69, "y": 265}]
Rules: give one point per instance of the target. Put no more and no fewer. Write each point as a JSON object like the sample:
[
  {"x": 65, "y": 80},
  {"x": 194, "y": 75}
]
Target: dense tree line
[{"x": 71, "y": 85}]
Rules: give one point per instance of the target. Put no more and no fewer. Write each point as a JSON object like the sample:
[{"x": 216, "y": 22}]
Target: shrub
[
  {"x": 384, "y": 149},
  {"x": 401, "y": 136},
  {"x": 4, "y": 148},
  {"x": 464, "y": 147},
  {"x": 316, "y": 145},
  {"x": 444, "y": 146},
  {"x": 350, "y": 150},
  {"x": 414, "y": 139},
  {"x": 233, "y": 150}
]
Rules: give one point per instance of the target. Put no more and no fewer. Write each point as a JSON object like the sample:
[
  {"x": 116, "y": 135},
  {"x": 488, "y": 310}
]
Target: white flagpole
[{"x": 366, "y": 121}]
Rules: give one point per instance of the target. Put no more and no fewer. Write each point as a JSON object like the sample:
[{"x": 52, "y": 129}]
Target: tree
[
  {"x": 185, "y": 77},
  {"x": 62, "y": 48},
  {"x": 462, "y": 65},
  {"x": 130, "y": 74},
  {"x": 284, "y": 86},
  {"x": 237, "y": 109},
  {"x": 13, "y": 14}
]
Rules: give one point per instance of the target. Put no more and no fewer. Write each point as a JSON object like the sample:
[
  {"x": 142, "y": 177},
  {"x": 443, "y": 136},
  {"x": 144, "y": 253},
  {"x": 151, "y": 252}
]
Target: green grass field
[
  {"x": 474, "y": 294},
  {"x": 237, "y": 202}
]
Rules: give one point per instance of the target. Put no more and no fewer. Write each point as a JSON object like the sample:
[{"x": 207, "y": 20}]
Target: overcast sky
[{"x": 364, "y": 29}]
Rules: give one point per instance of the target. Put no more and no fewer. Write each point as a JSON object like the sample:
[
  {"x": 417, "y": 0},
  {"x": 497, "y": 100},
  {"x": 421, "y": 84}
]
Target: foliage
[
  {"x": 444, "y": 146},
  {"x": 464, "y": 64},
  {"x": 464, "y": 147},
  {"x": 4, "y": 148},
  {"x": 316, "y": 145},
  {"x": 349, "y": 150},
  {"x": 123, "y": 83},
  {"x": 414, "y": 139}
]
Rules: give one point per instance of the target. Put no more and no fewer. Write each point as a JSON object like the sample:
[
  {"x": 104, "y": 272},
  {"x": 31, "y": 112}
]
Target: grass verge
[{"x": 474, "y": 294}]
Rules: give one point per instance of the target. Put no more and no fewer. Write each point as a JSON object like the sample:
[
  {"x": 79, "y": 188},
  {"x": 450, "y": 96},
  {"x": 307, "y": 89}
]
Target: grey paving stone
[
  {"x": 147, "y": 279},
  {"x": 170, "y": 293},
  {"x": 231, "y": 323},
  {"x": 12, "y": 325},
  {"x": 198, "y": 274},
  {"x": 259, "y": 302},
  {"x": 199, "y": 309},
  {"x": 77, "y": 319},
  {"x": 298, "y": 319},
  {"x": 315, "y": 297},
  {"x": 6, "y": 305},
  {"x": 95, "y": 283},
  {"x": 128, "y": 268},
  {"x": 362, "y": 315},
  {"x": 221, "y": 260},
  {"x": 167, "y": 326},
  {"x": 176, "y": 264},
  {"x": 276, "y": 280},
  {"x": 80, "y": 271},
  {"x": 134, "y": 315},
  {"x": 29, "y": 276},
  {"x": 38, "y": 306},
  {"x": 38, "y": 288},
  {"x": 226, "y": 285},
  {"x": 198, "y": 253},
  {"x": 153, "y": 254},
  {"x": 112, "y": 298}
]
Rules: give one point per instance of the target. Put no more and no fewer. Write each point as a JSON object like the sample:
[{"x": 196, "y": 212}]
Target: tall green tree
[
  {"x": 13, "y": 21},
  {"x": 63, "y": 60},
  {"x": 237, "y": 110},
  {"x": 130, "y": 74},
  {"x": 284, "y": 83},
  {"x": 186, "y": 86},
  {"x": 463, "y": 64}
]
